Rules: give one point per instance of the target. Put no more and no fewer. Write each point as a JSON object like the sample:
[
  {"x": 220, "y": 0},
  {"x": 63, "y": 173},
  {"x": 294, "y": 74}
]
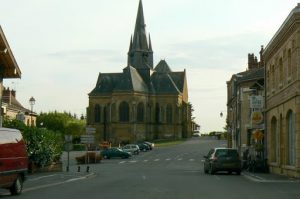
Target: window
[
  {"x": 157, "y": 113},
  {"x": 140, "y": 112},
  {"x": 291, "y": 138},
  {"x": 124, "y": 112},
  {"x": 97, "y": 112},
  {"x": 281, "y": 75},
  {"x": 274, "y": 140},
  {"x": 169, "y": 113},
  {"x": 289, "y": 63}
]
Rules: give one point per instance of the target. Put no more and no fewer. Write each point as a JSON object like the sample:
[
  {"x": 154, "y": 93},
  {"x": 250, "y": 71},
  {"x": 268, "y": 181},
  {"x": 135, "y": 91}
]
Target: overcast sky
[{"x": 62, "y": 45}]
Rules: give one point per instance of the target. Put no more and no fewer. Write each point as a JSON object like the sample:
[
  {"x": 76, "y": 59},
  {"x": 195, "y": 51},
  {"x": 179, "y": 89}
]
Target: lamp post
[{"x": 32, "y": 103}]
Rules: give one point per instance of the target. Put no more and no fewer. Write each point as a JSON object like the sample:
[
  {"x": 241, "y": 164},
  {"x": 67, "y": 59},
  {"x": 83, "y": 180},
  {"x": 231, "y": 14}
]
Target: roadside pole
[{"x": 68, "y": 148}]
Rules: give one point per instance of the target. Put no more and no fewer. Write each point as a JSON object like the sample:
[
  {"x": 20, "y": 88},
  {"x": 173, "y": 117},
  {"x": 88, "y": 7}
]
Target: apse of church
[{"x": 143, "y": 102}]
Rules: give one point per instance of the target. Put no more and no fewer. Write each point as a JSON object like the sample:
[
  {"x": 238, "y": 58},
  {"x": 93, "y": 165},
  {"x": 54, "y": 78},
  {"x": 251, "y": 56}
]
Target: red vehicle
[{"x": 13, "y": 160}]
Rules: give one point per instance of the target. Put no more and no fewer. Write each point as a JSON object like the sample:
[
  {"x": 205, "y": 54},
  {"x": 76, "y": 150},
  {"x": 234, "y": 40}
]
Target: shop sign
[
  {"x": 256, "y": 101},
  {"x": 257, "y": 117}
]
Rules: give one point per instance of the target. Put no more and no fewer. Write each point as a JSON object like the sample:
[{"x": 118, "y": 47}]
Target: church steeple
[{"x": 140, "y": 54}]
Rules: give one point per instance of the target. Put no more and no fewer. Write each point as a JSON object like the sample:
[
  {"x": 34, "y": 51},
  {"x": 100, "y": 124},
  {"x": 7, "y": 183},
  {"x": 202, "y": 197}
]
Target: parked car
[
  {"x": 13, "y": 160},
  {"x": 131, "y": 148},
  {"x": 222, "y": 159},
  {"x": 114, "y": 152},
  {"x": 150, "y": 144},
  {"x": 143, "y": 147}
]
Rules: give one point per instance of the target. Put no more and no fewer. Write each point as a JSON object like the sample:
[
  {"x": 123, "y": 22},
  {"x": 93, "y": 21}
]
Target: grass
[{"x": 166, "y": 143}]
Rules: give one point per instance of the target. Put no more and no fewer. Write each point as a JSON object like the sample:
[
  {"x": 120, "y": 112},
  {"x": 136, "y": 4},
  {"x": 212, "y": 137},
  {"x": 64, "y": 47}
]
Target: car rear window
[{"x": 226, "y": 152}]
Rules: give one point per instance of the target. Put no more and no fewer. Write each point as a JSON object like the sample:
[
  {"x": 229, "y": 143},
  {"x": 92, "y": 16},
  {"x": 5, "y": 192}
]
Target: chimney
[{"x": 13, "y": 93}]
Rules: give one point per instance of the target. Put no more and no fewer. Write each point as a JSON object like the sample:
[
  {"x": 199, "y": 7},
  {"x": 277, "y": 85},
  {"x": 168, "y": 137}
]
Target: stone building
[
  {"x": 8, "y": 66},
  {"x": 143, "y": 101},
  {"x": 242, "y": 89},
  {"x": 13, "y": 109},
  {"x": 282, "y": 58}
]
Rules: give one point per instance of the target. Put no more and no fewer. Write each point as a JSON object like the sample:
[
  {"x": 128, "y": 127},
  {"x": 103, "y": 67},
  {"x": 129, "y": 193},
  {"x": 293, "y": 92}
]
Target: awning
[{"x": 11, "y": 68}]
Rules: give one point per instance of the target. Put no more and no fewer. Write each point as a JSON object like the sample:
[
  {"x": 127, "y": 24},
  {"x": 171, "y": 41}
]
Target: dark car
[
  {"x": 222, "y": 159},
  {"x": 150, "y": 144},
  {"x": 143, "y": 147},
  {"x": 114, "y": 153}
]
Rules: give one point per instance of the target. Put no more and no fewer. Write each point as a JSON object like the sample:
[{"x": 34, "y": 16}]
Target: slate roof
[
  {"x": 252, "y": 74},
  {"x": 163, "y": 81}
]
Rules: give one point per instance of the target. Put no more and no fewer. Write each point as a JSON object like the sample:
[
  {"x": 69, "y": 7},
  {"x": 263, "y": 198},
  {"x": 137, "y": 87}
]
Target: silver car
[{"x": 131, "y": 148}]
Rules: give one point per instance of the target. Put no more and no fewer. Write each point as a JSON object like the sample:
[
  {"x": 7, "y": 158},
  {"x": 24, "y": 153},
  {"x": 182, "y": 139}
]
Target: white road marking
[
  {"x": 145, "y": 160},
  {"x": 191, "y": 160},
  {"x": 58, "y": 183},
  {"x": 122, "y": 162},
  {"x": 133, "y": 161},
  {"x": 168, "y": 159},
  {"x": 144, "y": 177},
  {"x": 156, "y": 160},
  {"x": 38, "y": 178},
  {"x": 179, "y": 159}
]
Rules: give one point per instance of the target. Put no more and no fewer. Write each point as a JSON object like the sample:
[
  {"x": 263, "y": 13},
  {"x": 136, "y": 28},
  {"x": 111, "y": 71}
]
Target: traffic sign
[
  {"x": 87, "y": 139},
  {"x": 90, "y": 130}
]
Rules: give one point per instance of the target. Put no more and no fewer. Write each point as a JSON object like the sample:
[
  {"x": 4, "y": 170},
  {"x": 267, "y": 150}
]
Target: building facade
[
  {"x": 245, "y": 103},
  {"x": 142, "y": 102},
  {"x": 282, "y": 58}
]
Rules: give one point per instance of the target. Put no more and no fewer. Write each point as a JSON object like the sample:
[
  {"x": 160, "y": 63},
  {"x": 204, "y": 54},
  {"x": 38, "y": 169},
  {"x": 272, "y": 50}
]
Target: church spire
[
  {"x": 140, "y": 54},
  {"x": 150, "y": 44},
  {"x": 140, "y": 37}
]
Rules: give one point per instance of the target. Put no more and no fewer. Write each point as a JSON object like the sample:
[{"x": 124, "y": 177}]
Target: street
[{"x": 168, "y": 172}]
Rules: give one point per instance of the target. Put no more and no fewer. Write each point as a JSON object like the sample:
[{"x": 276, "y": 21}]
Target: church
[{"x": 143, "y": 102}]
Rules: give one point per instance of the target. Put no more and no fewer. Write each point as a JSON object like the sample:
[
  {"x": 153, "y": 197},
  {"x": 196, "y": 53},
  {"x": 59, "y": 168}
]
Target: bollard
[
  {"x": 88, "y": 169},
  {"x": 78, "y": 169}
]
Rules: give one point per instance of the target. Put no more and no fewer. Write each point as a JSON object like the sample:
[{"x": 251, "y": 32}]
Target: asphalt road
[{"x": 170, "y": 172}]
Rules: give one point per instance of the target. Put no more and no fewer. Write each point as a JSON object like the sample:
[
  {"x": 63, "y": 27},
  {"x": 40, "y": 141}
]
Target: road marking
[
  {"x": 192, "y": 160},
  {"x": 59, "y": 183},
  {"x": 156, "y": 160},
  {"x": 122, "y": 162},
  {"x": 168, "y": 159},
  {"x": 133, "y": 161},
  {"x": 179, "y": 159},
  {"x": 145, "y": 160},
  {"x": 39, "y": 178},
  {"x": 144, "y": 177}
]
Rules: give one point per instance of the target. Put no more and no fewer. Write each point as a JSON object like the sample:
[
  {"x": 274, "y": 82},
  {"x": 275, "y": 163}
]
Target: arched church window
[
  {"x": 124, "y": 112},
  {"x": 97, "y": 112},
  {"x": 169, "y": 113},
  {"x": 157, "y": 113},
  {"x": 140, "y": 112}
]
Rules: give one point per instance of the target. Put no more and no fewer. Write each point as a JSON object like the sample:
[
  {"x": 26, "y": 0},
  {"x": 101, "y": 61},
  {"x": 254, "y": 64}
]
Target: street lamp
[{"x": 32, "y": 103}]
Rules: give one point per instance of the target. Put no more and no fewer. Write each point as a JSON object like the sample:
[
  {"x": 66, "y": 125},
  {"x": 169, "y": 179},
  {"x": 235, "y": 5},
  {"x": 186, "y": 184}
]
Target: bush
[{"x": 79, "y": 147}]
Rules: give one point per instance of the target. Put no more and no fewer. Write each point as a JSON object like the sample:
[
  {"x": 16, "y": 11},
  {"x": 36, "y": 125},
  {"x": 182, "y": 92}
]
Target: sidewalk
[{"x": 269, "y": 178}]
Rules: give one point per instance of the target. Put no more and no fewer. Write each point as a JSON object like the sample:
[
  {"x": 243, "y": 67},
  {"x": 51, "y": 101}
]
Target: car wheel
[
  {"x": 211, "y": 170},
  {"x": 238, "y": 172},
  {"x": 16, "y": 188}
]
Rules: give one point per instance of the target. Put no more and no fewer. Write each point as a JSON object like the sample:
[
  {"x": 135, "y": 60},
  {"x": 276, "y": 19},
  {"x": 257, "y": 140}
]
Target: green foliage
[
  {"x": 43, "y": 146},
  {"x": 63, "y": 123}
]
